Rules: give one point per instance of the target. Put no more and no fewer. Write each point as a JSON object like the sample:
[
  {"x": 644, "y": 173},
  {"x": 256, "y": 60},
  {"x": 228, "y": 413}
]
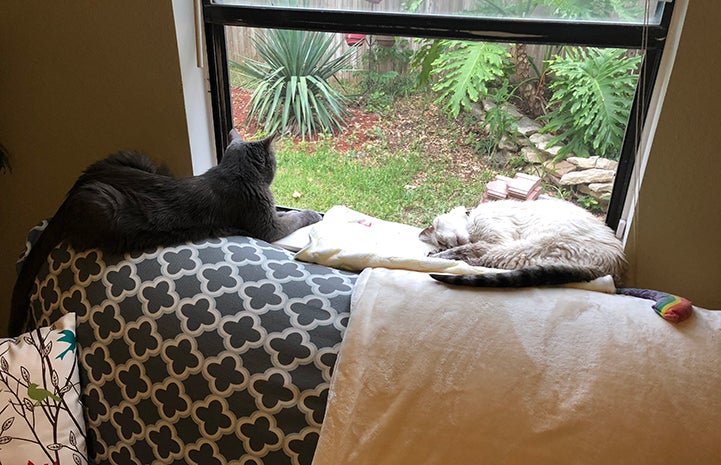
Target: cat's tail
[
  {"x": 540, "y": 275},
  {"x": 36, "y": 257}
]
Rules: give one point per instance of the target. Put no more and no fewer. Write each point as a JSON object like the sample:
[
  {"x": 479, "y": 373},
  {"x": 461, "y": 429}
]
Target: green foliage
[
  {"x": 497, "y": 124},
  {"x": 498, "y": 121},
  {"x": 568, "y": 9},
  {"x": 422, "y": 60},
  {"x": 592, "y": 96},
  {"x": 382, "y": 88},
  {"x": 589, "y": 203},
  {"x": 411, "y": 5},
  {"x": 465, "y": 71},
  {"x": 397, "y": 55},
  {"x": 292, "y": 89}
]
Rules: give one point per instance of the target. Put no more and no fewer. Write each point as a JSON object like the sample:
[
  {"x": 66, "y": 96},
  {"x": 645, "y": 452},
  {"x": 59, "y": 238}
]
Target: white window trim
[
  {"x": 196, "y": 88},
  {"x": 654, "y": 113}
]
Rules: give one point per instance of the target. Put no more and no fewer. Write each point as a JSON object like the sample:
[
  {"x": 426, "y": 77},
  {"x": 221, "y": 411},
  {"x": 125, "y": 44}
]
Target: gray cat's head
[{"x": 254, "y": 156}]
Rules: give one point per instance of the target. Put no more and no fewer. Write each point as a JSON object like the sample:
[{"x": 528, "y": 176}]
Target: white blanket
[
  {"x": 354, "y": 241},
  {"x": 430, "y": 374}
]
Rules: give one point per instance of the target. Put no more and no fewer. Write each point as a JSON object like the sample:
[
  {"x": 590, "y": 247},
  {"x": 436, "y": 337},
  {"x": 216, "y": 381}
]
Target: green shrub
[
  {"x": 292, "y": 89},
  {"x": 593, "y": 92},
  {"x": 464, "y": 72}
]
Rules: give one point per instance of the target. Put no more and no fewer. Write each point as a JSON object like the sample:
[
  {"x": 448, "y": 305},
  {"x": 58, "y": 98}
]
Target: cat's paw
[{"x": 310, "y": 216}]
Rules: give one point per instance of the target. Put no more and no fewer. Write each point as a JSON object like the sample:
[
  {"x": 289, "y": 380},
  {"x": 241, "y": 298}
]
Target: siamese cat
[
  {"x": 544, "y": 242},
  {"x": 125, "y": 203}
]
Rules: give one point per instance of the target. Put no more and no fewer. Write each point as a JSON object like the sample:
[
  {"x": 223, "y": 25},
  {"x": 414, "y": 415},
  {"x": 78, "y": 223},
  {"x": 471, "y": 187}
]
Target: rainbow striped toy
[{"x": 670, "y": 307}]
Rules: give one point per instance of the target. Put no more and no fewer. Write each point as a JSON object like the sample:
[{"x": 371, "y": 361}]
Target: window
[{"x": 637, "y": 27}]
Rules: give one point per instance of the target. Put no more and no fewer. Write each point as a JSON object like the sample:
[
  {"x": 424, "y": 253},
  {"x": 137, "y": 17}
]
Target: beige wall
[
  {"x": 85, "y": 78},
  {"x": 79, "y": 80}
]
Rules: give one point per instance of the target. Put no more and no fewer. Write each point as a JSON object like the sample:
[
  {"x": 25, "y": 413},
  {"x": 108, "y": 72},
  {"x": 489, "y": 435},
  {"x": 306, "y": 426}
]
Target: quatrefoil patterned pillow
[{"x": 205, "y": 353}]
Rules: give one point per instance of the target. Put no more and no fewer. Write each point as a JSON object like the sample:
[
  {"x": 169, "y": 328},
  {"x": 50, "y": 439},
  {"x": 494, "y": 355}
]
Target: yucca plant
[
  {"x": 292, "y": 91},
  {"x": 592, "y": 95}
]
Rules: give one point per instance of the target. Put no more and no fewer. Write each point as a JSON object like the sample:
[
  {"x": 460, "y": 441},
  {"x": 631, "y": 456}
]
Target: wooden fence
[{"x": 239, "y": 40}]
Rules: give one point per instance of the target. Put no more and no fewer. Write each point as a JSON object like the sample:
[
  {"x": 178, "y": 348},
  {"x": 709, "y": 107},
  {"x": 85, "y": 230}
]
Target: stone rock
[
  {"x": 540, "y": 141},
  {"x": 477, "y": 110},
  {"x": 553, "y": 151},
  {"x": 487, "y": 104},
  {"x": 527, "y": 126},
  {"x": 532, "y": 155},
  {"x": 507, "y": 144},
  {"x": 598, "y": 195},
  {"x": 593, "y": 162},
  {"x": 555, "y": 171},
  {"x": 584, "y": 163},
  {"x": 560, "y": 168},
  {"x": 606, "y": 164},
  {"x": 502, "y": 157},
  {"x": 593, "y": 175},
  {"x": 601, "y": 187},
  {"x": 512, "y": 110}
]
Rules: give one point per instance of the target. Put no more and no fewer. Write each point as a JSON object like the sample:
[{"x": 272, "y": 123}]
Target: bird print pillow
[{"x": 41, "y": 416}]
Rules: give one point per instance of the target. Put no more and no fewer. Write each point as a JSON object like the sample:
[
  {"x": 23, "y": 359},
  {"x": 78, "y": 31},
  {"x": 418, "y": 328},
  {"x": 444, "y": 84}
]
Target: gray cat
[
  {"x": 125, "y": 203},
  {"x": 547, "y": 241}
]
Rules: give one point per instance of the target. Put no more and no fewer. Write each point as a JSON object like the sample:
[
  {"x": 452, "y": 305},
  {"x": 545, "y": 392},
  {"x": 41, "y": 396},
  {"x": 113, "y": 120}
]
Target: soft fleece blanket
[
  {"x": 430, "y": 374},
  {"x": 351, "y": 240}
]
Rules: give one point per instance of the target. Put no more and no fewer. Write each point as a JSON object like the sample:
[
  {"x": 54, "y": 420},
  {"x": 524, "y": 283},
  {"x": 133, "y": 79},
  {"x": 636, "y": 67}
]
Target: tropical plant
[
  {"x": 463, "y": 72},
  {"x": 592, "y": 95},
  {"x": 292, "y": 84}
]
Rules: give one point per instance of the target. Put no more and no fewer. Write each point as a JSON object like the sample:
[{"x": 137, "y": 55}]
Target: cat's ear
[
  {"x": 268, "y": 141},
  {"x": 235, "y": 136},
  {"x": 426, "y": 234}
]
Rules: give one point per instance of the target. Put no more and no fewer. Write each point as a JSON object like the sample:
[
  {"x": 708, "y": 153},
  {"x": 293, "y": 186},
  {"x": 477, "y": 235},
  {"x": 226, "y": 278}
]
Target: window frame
[{"x": 651, "y": 38}]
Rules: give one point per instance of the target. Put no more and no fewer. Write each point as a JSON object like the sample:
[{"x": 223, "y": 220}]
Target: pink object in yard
[
  {"x": 521, "y": 187},
  {"x": 355, "y": 39}
]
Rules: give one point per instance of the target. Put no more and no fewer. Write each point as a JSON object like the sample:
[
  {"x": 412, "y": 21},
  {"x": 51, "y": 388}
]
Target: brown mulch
[{"x": 414, "y": 123}]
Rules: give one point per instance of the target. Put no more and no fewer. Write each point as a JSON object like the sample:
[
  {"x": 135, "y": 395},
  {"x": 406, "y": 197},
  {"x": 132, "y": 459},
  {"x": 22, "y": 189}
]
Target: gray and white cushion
[{"x": 210, "y": 353}]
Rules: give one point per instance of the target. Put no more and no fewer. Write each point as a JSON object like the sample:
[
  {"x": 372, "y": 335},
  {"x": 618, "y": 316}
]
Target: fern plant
[
  {"x": 592, "y": 95},
  {"x": 464, "y": 72},
  {"x": 292, "y": 84}
]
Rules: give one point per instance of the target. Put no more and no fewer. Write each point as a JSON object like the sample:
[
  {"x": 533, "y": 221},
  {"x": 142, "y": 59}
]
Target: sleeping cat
[
  {"x": 547, "y": 241},
  {"x": 124, "y": 203}
]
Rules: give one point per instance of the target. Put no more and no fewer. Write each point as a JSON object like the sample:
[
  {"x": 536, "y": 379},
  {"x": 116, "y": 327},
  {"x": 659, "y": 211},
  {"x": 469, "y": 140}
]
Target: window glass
[
  {"x": 412, "y": 93},
  {"x": 407, "y": 128},
  {"x": 632, "y": 11}
]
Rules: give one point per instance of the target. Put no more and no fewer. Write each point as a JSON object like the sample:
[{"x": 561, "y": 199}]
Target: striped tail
[{"x": 541, "y": 275}]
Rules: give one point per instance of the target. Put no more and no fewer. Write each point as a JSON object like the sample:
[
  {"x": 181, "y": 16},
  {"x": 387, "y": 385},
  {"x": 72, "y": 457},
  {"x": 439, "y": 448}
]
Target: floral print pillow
[{"x": 41, "y": 415}]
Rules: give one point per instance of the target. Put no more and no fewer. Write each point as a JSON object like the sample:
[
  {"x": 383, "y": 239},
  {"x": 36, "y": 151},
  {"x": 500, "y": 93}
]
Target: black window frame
[{"x": 650, "y": 37}]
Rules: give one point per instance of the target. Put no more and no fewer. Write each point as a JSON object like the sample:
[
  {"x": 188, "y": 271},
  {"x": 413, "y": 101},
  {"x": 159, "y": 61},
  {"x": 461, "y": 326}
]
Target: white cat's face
[{"x": 449, "y": 230}]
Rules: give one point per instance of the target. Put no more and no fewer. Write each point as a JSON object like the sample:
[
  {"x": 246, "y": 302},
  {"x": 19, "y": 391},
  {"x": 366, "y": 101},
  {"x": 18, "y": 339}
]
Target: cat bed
[{"x": 438, "y": 375}]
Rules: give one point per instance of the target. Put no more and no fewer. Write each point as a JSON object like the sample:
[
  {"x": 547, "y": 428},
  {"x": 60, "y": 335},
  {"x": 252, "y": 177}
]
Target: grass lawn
[
  {"x": 400, "y": 186},
  {"x": 413, "y": 167}
]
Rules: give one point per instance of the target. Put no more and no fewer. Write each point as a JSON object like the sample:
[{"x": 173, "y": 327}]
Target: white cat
[{"x": 547, "y": 241}]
